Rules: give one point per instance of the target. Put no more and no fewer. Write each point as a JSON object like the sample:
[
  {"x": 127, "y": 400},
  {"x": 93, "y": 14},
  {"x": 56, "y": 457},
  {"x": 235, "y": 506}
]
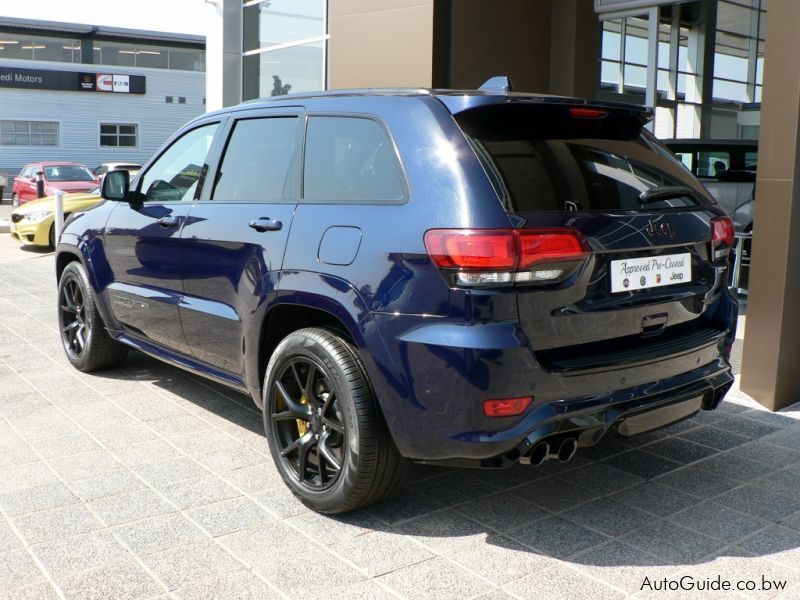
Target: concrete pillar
[
  {"x": 223, "y": 53},
  {"x": 574, "y": 44},
  {"x": 772, "y": 343},
  {"x": 376, "y": 44}
]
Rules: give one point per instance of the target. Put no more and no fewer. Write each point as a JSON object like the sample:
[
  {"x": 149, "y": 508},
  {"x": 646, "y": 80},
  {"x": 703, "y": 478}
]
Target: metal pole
[{"x": 59, "y": 215}]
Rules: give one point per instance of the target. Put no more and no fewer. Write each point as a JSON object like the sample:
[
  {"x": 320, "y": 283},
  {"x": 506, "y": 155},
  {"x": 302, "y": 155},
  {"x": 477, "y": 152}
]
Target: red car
[{"x": 65, "y": 176}]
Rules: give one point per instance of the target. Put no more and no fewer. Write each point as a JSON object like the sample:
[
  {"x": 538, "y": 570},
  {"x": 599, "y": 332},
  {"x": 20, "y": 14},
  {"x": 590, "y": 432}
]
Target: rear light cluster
[
  {"x": 722, "y": 237},
  {"x": 485, "y": 257},
  {"x": 506, "y": 407}
]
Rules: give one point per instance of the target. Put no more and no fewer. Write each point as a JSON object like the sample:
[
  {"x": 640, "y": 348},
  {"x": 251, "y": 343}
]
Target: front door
[
  {"x": 234, "y": 238},
  {"x": 142, "y": 241}
]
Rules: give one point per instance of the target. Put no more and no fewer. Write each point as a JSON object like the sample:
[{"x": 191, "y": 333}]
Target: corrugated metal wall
[{"x": 79, "y": 115}]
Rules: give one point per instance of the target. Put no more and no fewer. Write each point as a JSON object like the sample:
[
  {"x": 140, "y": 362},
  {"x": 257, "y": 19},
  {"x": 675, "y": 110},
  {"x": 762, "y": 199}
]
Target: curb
[{"x": 4, "y": 226}]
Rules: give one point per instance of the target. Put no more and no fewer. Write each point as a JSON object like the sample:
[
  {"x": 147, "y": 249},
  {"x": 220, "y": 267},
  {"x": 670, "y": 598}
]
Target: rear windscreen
[{"x": 541, "y": 159}]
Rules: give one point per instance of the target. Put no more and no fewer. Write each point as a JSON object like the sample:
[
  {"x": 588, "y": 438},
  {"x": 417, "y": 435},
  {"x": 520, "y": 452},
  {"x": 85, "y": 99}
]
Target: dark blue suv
[{"x": 468, "y": 278}]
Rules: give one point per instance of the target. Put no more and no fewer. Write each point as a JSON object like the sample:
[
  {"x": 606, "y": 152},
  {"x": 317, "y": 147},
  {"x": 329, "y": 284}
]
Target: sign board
[
  {"x": 71, "y": 81},
  {"x": 606, "y": 6}
]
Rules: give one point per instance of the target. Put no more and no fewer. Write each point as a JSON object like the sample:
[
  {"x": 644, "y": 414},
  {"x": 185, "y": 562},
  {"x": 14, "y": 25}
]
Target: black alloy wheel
[
  {"x": 75, "y": 327},
  {"x": 307, "y": 423}
]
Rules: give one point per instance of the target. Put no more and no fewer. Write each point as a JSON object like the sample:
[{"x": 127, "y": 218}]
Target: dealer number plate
[{"x": 648, "y": 272}]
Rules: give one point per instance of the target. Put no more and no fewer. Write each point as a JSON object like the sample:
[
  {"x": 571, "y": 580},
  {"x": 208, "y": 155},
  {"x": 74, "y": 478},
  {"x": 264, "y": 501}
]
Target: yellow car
[{"x": 32, "y": 222}]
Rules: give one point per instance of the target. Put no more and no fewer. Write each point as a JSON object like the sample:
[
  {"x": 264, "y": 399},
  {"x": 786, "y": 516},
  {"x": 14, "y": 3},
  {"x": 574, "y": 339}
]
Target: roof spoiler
[{"x": 499, "y": 83}]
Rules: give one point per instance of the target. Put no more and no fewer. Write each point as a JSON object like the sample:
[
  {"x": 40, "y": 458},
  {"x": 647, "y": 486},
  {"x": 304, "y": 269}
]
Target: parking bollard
[{"x": 59, "y": 215}]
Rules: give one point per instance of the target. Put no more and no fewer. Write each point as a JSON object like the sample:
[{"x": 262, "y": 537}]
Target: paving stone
[
  {"x": 760, "y": 501},
  {"x": 748, "y": 427},
  {"x": 181, "y": 566},
  {"x": 199, "y": 492},
  {"x": 381, "y": 552},
  {"x": 642, "y": 464},
  {"x": 66, "y": 446},
  {"x": 788, "y": 438},
  {"x": 777, "y": 543},
  {"x": 242, "y": 586},
  {"x": 785, "y": 481},
  {"x": 443, "y": 531},
  {"x": 131, "y": 506},
  {"x": 608, "y": 516},
  {"x": 255, "y": 478},
  {"x": 405, "y": 504},
  {"x": 8, "y": 539},
  {"x": 36, "y": 591},
  {"x": 80, "y": 466},
  {"x": 436, "y": 579},
  {"x": 734, "y": 466},
  {"x": 672, "y": 543},
  {"x": 280, "y": 502},
  {"x": 23, "y": 476},
  {"x": 557, "y": 583},
  {"x": 501, "y": 560},
  {"x": 119, "y": 437},
  {"x": 715, "y": 438},
  {"x": 158, "y": 533},
  {"x": 255, "y": 546},
  {"x": 124, "y": 580},
  {"x": 553, "y": 494},
  {"x": 32, "y": 499},
  {"x": 23, "y": 456},
  {"x": 502, "y": 512},
  {"x": 171, "y": 471},
  {"x": 149, "y": 452},
  {"x": 331, "y": 529},
  {"x": 229, "y": 516},
  {"x": 601, "y": 479},
  {"x": 557, "y": 537},
  {"x": 68, "y": 555},
  {"x": 177, "y": 424},
  {"x": 621, "y": 565},
  {"x": 769, "y": 454},
  {"x": 452, "y": 488},
  {"x": 504, "y": 479},
  {"x": 106, "y": 483},
  {"x": 17, "y": 569},
  {"x": 200, "y": 442},
  {"x": 680, "y": 450},
  {"x": 230, "y": 458},
  {"x": 68, "y": 521},
  {"x": 698, "y": 481},
  {"x": 718, "y": 521}
]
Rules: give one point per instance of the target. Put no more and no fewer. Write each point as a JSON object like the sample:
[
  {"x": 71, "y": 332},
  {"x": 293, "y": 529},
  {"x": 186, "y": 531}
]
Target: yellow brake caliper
[{"x": 302, "y": 426}]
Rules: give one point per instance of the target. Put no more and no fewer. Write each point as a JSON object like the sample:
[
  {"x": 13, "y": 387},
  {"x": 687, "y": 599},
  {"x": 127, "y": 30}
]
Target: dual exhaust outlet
[{"x": 562, "y": 449}]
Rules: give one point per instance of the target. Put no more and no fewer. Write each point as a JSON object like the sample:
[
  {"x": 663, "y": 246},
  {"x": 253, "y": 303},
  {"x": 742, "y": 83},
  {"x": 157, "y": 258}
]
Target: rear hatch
[{"x": 651, "y": 269}]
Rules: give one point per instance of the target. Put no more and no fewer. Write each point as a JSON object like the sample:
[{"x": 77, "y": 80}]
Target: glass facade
[
  {"x": 55, "y": 49},
  {"x": 709, "y": 66},
  {"x": 284, "y": 47}
]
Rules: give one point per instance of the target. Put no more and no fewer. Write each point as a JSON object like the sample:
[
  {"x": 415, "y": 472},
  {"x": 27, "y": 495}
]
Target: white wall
[{"x": 79, "y": 114}]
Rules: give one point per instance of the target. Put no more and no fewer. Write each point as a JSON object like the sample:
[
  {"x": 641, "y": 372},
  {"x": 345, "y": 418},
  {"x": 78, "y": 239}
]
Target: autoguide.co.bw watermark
[{"x": 716, "y": 584}]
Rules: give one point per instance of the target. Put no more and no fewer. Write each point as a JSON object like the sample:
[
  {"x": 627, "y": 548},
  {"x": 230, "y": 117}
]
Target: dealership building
[
  {"x": 93, "y": 94},
  {"x": 714, "y": 69}
]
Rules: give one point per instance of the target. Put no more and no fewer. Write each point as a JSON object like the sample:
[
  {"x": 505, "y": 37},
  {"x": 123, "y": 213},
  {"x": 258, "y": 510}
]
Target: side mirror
[{"x": 116, "y": 185}]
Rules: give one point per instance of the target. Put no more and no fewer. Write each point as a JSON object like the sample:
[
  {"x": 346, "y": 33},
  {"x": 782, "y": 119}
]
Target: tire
[
  {"x": 52, "y": 237},
  {"x": 339, "y": 419},
  {"x": 83, "y": 335},
  {"x": 14, "y": 201}
]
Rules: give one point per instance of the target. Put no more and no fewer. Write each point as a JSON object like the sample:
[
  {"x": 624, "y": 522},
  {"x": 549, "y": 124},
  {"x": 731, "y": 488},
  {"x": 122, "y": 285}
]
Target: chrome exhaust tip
[
  {"x": 539, "y": 453},
  {"x": 566, "y": 449}
]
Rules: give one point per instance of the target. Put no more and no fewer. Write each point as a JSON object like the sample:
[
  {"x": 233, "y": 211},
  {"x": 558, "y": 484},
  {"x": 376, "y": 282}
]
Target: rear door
[
  {"x": 234, "y": 238},
  {"x": 588, "y": 171}
]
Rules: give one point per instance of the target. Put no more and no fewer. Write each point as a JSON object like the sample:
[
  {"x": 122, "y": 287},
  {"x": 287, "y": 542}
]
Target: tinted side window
[
  {"x": 175, "y": 175},
  {"x": 257, "y": 159},
  {"x": 350, "y": 159},
  {"x": 713, "y": 163}
]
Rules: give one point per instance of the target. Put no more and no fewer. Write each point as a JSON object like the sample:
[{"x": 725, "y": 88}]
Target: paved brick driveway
[{"x": 147, "y": 482}]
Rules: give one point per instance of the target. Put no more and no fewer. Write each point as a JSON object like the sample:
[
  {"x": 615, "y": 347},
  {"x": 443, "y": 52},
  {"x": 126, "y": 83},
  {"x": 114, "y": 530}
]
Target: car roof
[
  {"x": 455, "y": 100},
  {"x": 55, "y": 163}
]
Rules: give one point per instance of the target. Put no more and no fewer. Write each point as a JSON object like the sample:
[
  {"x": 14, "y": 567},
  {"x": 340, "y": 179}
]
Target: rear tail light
[
  {"x": 506, "y": 407},
  {"x": 722, "y": 237},
  {"x": 581, "y": 112},
  {"x": 475, "y": 257}
]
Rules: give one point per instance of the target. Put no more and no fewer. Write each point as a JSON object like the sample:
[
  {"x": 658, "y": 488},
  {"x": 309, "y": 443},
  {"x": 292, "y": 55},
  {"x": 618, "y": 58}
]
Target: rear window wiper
[{"x": 665, "y": 192}]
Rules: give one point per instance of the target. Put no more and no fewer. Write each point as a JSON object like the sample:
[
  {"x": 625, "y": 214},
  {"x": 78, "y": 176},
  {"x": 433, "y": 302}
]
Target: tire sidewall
[
  {"x": 305, "y": 345},
  {"x": 74, "y": 271}
]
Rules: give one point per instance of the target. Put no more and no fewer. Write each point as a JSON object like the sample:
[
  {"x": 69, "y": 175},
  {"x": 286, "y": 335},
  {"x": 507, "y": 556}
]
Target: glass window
[
  {"x": 729, "y": 90},
  {"x": 285, "y": 71},
  {"x": 187, "y": 60},
  {"x": 350, "y": 160},
  {"x": 117, "y": 135},
  {"x": 611, "y": 39},
  {"x": 68, "y": 173},
  {"x": 176, "y": 173},
  {"x": 750, "y": 158},
  {"x": 609, "y": 72},
  {"x": 281, "y": 21},
  {"x": 257, "y": 160},
  {"x": 28, "y": 133},
  {"x": 713, "y": 163},
  {"x": 542, "y": 160},
  {"x": 53, "y": 49},
  {"x": 685, "y": 158}
]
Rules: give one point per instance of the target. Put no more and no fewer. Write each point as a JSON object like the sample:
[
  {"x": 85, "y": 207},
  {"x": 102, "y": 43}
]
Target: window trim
[
  {"x": 291, "y": 193},
  {"x": 100, "y": 135},
  {"x": 406, "y": 194},
  {"x": 211, "y": 159},
  {"x": 58, "y": 133}
]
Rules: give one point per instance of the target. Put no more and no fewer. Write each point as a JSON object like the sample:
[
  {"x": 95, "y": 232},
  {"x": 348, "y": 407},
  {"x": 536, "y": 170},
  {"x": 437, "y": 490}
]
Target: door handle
[
  {"x": 265, "y": 224},
  {"x": 168, "y": 221}
]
